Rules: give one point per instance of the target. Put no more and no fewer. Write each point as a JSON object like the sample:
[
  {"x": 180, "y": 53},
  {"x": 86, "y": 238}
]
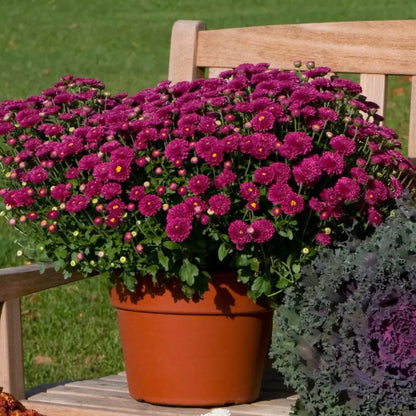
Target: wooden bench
[{"x": 373, "y": 49}]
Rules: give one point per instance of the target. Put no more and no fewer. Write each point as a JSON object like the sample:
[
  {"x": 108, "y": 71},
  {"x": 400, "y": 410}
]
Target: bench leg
[{"x": 11, "y": 349}]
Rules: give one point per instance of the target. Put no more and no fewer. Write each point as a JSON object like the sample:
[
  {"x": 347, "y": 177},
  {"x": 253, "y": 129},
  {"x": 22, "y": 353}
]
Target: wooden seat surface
[{"x": 109, "y": 396}]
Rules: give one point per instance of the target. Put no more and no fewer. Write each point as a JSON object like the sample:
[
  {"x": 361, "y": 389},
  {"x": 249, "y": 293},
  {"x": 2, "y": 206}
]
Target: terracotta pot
[{"x": 183, "y": 352}]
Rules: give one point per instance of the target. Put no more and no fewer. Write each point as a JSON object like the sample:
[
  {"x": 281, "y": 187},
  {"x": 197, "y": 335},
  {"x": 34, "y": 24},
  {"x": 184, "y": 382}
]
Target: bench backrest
[{"x": 373, "y": 49}]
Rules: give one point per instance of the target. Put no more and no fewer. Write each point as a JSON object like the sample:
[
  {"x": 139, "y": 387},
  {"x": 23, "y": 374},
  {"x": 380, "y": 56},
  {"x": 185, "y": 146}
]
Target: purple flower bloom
[
  {"x": 265, "y": 175},
  {"x": 198, "y": 184},
  {"x": 343, "y": 145},
  {"x": 262, "y": 121},
  {"x": 116, "y": 207},
  {"x": 375, "y": 217},
  {"x": 76, "y": 203},
  {"x": 220, "y": 204},
  {"x": 110, "y": 190},
  {"x": 226, "y": 177},
  {"x": 72, "y": 173},
  {"x": 60, "y": 192},
  {"x": 308, "y": 171},
  {"x": 295, "y": 144},
  {"x": 93, "y": 188},
  {"x": 177, "y": 151},
  {"x": 178, "y": 229},
  {"x": 249, "y": 191},
  {"x": 347, "y": 188},
  {"x": 323, "y": 239},
  {"x": 263, "y": 231},
  {"x": 137, "y": 193},
  {"x": 89, "y": 161},
  {"x": 332, "y": 163},
  {"x": 149, "y": 205},
  {"x": 38, "y": 175},
  {"x": 28, "y": 117},
  {"x": 238, "y": 233},
  {"x": 292, "y": 203},
  {"x": 119, "y": 170},
  {"x": 207, "y": 125}
]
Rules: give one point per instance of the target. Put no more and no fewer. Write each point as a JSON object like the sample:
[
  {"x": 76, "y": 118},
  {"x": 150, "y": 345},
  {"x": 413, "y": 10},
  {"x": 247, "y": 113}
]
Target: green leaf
[
  {"x": 223, "y": 250},
  {"x": 188, "y": 272},
  {"x": 163, "y": 259},
  {"x": 296, "y": 268},
  {"x": 171, "y": 245}
]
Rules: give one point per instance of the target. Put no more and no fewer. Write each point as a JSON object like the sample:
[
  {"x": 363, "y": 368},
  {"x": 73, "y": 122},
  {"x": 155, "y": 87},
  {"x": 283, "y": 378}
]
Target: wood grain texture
[
  {"x": 11, "y": 349},
  {"x": 19, "y": 281},
  {"x": 371, "y": 47},
  {"x": 182, "y": 61},
  {"x": 109, "y": 395},
  {"x": 375, "y": 89}
]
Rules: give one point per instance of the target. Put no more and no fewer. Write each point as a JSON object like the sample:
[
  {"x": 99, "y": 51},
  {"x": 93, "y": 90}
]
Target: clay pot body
[{"x": 200, "y": 352}]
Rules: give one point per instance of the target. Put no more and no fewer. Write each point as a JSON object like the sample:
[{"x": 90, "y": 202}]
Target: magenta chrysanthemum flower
[
  {"x": 308, "y": 171},
  {"x": 112, "y": 220},
  {"x": 53, "y": 129},
  {"x": 282, "y": 171},
  {"x": 52, "y": 214},
  {"x": 330, "y": 197},
  {"x": 375, "y": 217},
  {"x": 38, "y": 175},
  {"x": 88, "y": 162},
  {"x": 278, "y": 192},
  {"x": 323, "y": 239},
  {"x": 347, "y": 188},
  {"x": 376, "y": 192},
  {"x": 220, "y": 204},
  {"x": 263, "y": 231},
  {"x": 149, "y": 205},
  {"x": 108, "y": 147},
  {"x": 359, "y": 174},
  {"x": 238, "y": 233},
  {"x": 265, "y": 175},
  {"x": 262, "y": 121},
  {"x": 28, "y": 117},
  {"x": 332, "y": 163},
  {"x": 101, "y": 171},
  {"x": 249, "y": 191},
  {"x": 292, "y": 203},
  {"x": 76, "y": 203},
  {"x": 177, "y": 151},
  {"x": 397, "y": 190},
  {"x": 181, "y": 210},
  {"x": 231, "y": 142},
  {"x": 295, "y": 144},
  {"x": 119, "y": 170},
  {"x": 226, "y": 177},
  {"x": 328, "y": 114},
  {"x": 178, "y": 229},
  {"x": 93, "y": 188},
  {"x": 207, "y": 125},
  {"x": 198, "y": 184},
  {"x": 343, "y": 145},
  {"x": 72, "y": 173},
  {"x": 197, "y": 205},
  {"x": 116, "y": 207},
  {"x": 137, "y": 193},
  {"x": 60, "y": 192},
  {"x": 110, "y": 190}
]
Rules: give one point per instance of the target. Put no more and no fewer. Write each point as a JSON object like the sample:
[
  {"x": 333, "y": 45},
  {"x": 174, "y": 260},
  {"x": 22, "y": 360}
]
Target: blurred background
[{"x": 71, "y": 332}]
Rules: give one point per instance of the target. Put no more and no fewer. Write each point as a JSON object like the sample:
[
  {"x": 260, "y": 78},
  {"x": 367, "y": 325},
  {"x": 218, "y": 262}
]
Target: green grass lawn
[{"x": 71, "y": 332}]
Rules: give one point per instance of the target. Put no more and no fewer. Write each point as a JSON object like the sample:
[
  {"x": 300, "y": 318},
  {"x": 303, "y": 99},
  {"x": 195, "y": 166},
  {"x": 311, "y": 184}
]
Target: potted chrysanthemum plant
[{"x": 249, "y": 173}]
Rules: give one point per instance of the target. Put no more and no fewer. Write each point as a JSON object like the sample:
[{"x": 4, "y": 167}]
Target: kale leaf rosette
[{"x": 345, "y": 338}]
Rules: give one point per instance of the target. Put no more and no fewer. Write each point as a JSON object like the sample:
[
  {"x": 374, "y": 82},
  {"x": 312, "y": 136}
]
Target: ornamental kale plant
[
  {"x": 345, "y": 338},
  {"x": 254, "y": 170}
]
